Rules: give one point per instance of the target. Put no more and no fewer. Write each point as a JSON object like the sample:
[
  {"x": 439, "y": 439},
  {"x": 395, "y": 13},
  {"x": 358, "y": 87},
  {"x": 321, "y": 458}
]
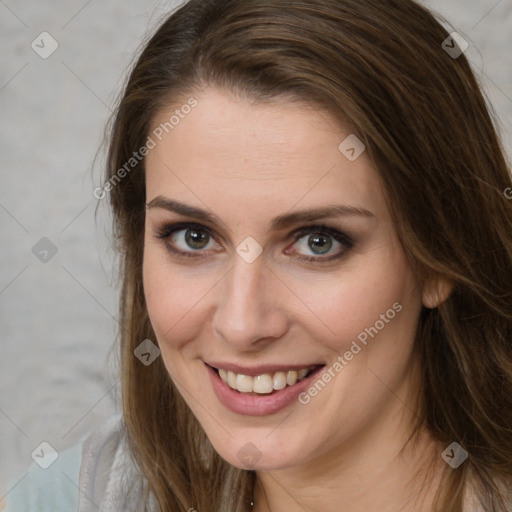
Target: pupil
[
  {"x": 322, "y": 242},
  {"x": 194, "y": 238}
]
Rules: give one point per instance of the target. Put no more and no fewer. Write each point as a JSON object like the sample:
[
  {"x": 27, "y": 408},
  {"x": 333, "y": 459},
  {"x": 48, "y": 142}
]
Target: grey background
[{"x": 57, "y": 318}]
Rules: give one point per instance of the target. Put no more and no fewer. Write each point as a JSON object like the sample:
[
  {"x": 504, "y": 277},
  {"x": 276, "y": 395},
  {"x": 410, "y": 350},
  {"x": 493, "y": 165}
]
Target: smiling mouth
[{"x": 267, "y": 383}]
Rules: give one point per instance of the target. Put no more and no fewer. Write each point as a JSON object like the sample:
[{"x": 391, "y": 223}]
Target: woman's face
[{"x": 258, "y": 289}]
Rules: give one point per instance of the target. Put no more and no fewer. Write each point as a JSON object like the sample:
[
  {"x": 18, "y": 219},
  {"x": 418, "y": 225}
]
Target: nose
[{"x": 250, "y": 309}]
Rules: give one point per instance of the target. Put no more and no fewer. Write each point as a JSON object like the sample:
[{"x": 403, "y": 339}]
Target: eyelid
[{"x": 322, "y": 228}]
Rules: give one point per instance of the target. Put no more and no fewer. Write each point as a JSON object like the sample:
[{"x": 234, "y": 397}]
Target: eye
[
  {"x": 185, "y": 239},
  {"x": 319, "y": 240}
]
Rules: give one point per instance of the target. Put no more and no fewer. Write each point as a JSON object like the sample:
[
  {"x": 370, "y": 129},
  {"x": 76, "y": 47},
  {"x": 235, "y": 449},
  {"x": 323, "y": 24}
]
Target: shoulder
[
  {"x": 473, "y": 501},
  {"x": 47, "y": 488},
  {"x": 95, "y": 474}
]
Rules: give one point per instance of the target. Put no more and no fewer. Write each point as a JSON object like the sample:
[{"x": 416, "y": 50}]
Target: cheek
[
  {"x": 379, "y": 292},
  {"x": 175, "y": 297}
]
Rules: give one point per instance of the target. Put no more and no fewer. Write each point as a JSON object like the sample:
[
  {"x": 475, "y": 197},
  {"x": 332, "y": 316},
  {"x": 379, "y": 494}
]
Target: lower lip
[{"x": 254, "y": 405}]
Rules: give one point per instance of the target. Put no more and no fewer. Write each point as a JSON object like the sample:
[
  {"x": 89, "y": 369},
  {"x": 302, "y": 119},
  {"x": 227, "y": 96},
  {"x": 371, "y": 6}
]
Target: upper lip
[{"x": 259, "y": 369}]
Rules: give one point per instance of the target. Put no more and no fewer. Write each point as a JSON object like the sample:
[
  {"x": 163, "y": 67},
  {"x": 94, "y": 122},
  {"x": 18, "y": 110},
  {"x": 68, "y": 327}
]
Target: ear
[{"x": 435, "y": 291}]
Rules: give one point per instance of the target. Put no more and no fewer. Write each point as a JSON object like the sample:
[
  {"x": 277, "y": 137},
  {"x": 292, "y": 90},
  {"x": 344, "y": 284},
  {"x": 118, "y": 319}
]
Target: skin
[{"x": 247, "y": 163}]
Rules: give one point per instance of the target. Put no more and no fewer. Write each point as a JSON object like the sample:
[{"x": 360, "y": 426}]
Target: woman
[{"x": 316, "y": 248}]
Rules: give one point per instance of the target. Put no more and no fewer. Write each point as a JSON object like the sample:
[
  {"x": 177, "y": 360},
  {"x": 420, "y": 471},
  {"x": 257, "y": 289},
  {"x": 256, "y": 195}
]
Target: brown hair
[{"x": 379, "y": 66}]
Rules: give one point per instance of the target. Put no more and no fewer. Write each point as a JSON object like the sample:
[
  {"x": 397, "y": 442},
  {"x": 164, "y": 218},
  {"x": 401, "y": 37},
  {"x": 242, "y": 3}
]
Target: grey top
[{"x": 108, "y": 478}]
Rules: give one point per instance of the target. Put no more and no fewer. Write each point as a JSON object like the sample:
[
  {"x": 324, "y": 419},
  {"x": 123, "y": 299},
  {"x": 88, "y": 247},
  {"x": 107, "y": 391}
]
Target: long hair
[{"x": 379, "y": 66}]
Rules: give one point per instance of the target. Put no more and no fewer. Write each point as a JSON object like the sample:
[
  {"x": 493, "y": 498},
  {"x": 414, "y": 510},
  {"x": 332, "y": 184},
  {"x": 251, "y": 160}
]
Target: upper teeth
[{"x": 265, "y": 383}]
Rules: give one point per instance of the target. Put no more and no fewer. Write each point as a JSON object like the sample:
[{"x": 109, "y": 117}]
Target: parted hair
[{"x": 379, "y": 67}]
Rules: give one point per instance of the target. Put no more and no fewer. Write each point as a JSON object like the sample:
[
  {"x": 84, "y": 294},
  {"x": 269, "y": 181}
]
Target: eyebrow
[{"x": 278, "y": 223}]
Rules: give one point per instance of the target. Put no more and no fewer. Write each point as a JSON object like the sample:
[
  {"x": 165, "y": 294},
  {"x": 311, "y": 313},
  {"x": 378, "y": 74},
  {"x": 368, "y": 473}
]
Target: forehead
[{"x": 227, "y": 152}]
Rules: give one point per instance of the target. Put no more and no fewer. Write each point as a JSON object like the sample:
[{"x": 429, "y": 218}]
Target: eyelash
[{"x": 167, "y": 231}]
